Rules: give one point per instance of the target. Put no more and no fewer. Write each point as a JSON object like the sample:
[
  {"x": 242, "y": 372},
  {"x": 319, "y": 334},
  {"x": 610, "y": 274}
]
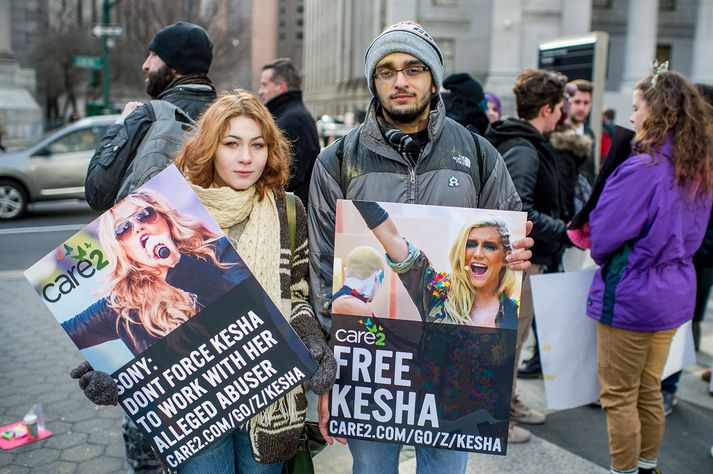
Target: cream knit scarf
[
  {"x": 259, "y": 246},
  {"x": 259, "y": 242}
]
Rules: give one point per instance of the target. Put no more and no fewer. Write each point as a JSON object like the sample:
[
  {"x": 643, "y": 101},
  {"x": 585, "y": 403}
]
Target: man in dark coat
[
  {"x": 522, "y": 143},
  {"x": 176, "y": 71},
  {"x": 280, "y": 92}
]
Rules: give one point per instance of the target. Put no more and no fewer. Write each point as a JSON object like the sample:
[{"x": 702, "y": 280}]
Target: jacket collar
[
  {"x": 370, "y": 134},
  {"x": 278, "y": 103},
  {"x": 190, "y": 88}
]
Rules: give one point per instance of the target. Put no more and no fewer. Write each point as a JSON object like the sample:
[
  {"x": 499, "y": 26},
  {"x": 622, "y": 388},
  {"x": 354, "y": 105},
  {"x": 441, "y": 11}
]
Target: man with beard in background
[{"x": 176, "y": 71}]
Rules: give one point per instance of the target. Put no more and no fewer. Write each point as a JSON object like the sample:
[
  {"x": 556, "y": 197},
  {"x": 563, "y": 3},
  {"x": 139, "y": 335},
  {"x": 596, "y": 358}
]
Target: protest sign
[
  {"x": 154, "y": 294},
  {"x": 568, "y": 340},
  {"x": 412, "y": 368}
]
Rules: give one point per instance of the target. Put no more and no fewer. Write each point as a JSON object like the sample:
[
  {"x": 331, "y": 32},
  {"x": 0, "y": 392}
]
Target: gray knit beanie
[{"x": 404, "y": 37}]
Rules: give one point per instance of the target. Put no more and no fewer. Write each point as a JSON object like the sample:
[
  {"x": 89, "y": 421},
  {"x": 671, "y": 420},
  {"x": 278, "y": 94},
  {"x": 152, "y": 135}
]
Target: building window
[
  {"x": 445, "y": 3},
  {"x": 448, "y": 50},
  {"x": 299, "y": 35},
  {"x": 663, "y": 53},
  {"x": 601, "y": 4},
  {"x": 667, "y": 5}
]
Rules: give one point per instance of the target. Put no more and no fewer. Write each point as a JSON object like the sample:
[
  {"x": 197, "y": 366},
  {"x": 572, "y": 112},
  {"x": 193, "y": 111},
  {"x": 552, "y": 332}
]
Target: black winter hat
[
  {"x": 185, "y": 47},
  {"x": 461, "y": 84}
]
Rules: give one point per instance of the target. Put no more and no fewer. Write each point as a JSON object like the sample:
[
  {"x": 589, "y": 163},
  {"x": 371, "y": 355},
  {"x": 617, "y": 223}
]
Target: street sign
[
  {"x": 89, "y": 62},
  {"x": 107, "y": 31}
]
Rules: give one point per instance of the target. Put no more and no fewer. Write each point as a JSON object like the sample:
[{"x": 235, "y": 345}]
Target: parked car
[
  {"x": 330, "y": 128},
  {"x": 53, "y": 168}
]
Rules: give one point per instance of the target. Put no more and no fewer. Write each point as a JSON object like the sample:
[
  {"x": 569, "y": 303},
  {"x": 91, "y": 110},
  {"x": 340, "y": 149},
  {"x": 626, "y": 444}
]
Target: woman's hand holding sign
[
  {"x": 98, "y": 387},
  {"x": 323, "y": 379}
]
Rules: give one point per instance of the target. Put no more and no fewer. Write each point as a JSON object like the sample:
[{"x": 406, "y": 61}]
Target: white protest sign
[{"x": 568, "y": 340}]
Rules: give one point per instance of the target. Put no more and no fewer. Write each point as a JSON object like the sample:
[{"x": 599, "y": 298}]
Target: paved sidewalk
[{"x": 37, "y": 356}]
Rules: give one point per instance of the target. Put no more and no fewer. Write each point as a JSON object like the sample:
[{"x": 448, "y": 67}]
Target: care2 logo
[
  {"x": 89, "y": 261},
  {"x": 373, "y": 335}
]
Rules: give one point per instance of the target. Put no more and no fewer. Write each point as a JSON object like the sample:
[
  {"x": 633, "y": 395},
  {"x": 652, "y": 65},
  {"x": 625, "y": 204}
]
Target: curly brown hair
[
  {"x": 195, "y": 159},
  {"x": 535, "y": 88},
  {"x": 677, "y": 107}
]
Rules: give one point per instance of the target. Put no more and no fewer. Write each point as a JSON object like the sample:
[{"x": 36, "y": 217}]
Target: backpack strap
[
  {"x": 340, "y": 158},
  {"x": 291, "y": 221},
  {"x": 480, "y": 155},
  {"x": 163, "y": 109}
]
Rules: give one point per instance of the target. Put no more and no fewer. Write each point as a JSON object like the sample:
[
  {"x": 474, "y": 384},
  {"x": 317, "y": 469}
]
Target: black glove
[
  {"x": 323, "y": 379},
  {"x": 372, "y": 213},
  {"x": 98, "y": 387}
]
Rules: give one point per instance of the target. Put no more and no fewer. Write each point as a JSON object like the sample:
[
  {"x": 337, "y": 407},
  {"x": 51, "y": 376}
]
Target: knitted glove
[
  {"x": 98, "y": 387},
  {"x": 580, "y": 237},
  {"x": 323, "y": 379},
  {"x": 372, "y": 213}
]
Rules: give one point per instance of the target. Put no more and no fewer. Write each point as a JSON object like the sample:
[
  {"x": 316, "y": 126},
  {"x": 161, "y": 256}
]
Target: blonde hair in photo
[
  {"x": 138, "y": 296},
  {"x": 461, "y": 295}
]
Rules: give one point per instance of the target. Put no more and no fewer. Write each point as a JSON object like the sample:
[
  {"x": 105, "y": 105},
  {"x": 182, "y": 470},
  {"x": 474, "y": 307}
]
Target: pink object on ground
[{"x": 15, "y": 442}]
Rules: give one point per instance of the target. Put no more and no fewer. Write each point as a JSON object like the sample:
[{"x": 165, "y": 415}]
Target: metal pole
[{"x": 106, "y": 71}]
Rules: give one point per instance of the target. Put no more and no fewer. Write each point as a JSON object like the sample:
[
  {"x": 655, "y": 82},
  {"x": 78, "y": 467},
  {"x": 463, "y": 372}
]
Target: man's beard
[
  {"x": 408, "y": 115},
  {"x": 575, "y": 121},
  {"x": 158, "y": 81}
]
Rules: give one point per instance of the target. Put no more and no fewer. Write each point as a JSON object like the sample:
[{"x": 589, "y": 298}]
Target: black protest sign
[
  {"x": 213, "y": 373},
  {"x": 425, "y": 384},
  {"x": 424, "y": 324},
  {"x": 153, "y": 293}
]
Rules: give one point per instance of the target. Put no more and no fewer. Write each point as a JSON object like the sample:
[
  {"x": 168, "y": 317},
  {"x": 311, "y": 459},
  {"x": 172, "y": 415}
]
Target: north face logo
[{"x": 462, "y": 160}]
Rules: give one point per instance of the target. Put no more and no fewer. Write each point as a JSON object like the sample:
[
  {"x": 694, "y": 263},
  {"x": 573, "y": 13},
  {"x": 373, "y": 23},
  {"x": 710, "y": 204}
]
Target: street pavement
[{"x": 37, "y": 356}]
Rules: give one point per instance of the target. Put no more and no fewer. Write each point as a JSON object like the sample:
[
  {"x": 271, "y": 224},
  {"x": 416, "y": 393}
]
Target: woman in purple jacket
[{"x": 648, "y": 223}]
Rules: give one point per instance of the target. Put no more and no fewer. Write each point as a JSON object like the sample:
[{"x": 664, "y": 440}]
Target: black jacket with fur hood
[
  {"x": 570, "y": 152},
  {"x": 532, "y": 167}
]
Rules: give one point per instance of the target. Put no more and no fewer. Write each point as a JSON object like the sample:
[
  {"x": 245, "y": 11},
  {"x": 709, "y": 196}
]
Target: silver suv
[{"x": 53, "y": 168}]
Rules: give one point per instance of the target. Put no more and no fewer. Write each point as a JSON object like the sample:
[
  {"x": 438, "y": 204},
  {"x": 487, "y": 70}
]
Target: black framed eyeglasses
[
  {"x": 389, "y": 74},
  {"x": 146, "y": 215}
]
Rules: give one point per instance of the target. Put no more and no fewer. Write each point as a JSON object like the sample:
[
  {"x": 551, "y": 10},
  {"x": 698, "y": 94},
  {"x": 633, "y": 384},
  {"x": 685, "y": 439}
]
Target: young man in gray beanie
[
  {"x": 176, "y": 71},
  {"x": 405, "y": 151}
]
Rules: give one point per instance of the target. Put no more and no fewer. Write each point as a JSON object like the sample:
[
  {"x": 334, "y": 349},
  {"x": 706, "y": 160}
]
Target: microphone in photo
[{"x": 162, "y": 251}]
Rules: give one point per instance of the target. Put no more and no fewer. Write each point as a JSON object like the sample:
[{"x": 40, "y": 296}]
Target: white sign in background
[{"x": 568, "y": 340}]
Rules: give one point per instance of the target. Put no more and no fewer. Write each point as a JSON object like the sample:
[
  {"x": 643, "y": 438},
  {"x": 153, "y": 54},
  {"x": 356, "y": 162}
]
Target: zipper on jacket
[{"x": 412, "y": 188}]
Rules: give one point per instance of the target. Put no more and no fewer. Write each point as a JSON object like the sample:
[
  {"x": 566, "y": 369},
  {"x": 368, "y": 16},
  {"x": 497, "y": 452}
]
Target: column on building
[
  {"x": 576, "y": 17},
  {"x": 702, "y": 67},
  {"x": 641, "y": 29},
  {"x": 505, "y": 50},
  {"x": 5, "y": 37}
]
